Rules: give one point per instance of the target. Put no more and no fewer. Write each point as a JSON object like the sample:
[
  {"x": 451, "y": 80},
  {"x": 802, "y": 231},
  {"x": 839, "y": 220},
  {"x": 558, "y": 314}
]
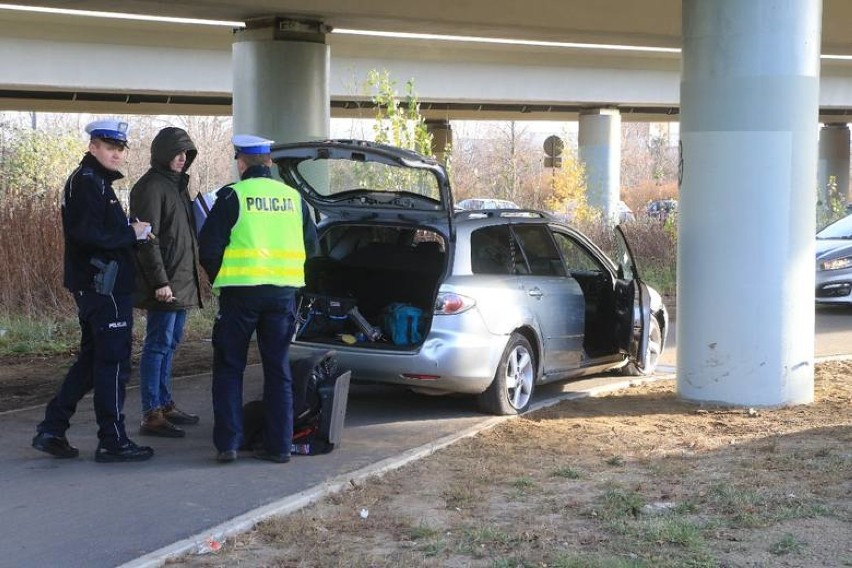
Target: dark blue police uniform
[
  {"x": 242, "y": 309},
  {"x": 96, "y": 227}
]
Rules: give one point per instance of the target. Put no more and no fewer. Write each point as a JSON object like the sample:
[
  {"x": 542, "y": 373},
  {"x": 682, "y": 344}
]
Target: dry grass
[
  {"x": 637, "y": 478},
  {"x": 31, "y": 256}
]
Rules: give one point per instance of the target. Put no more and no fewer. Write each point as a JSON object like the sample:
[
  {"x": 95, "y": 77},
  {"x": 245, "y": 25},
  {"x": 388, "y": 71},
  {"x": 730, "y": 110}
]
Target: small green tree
[
  {"x": 833, "y": 207},
  {"x": 36, "y": 163},
  {"x": 398, "y": 119},
  {"x": 568, "y": 190}
]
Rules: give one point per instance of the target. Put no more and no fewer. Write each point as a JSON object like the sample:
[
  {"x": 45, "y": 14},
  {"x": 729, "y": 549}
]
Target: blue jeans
[{"x": 162, "y": 336}]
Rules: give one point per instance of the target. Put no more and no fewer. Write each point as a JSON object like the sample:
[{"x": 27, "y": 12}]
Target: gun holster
[{"x": 105, "y": 277}]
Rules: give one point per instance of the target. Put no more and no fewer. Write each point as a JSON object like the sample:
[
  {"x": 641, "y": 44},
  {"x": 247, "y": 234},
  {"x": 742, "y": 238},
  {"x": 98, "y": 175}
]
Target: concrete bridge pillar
[
  {"x": 834, "y": 161},
  {"x": 281, "y": 76},
  {"x": 746, "y": 223},
  {"x": 599, "y": 148},
  {"x": 442, "y": 138}
]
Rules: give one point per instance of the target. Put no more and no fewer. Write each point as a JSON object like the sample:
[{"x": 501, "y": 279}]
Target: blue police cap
[
  {"x": 109, "y": 129},
  {"x": 250, "y": 144}
]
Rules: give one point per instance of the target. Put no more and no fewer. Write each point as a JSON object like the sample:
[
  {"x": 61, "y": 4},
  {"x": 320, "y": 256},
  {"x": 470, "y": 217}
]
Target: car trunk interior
[{"x": 372, "y": 268}]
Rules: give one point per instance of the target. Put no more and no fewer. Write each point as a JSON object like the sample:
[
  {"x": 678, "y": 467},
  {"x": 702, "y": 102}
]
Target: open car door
[{"x": 634, "y": 310}]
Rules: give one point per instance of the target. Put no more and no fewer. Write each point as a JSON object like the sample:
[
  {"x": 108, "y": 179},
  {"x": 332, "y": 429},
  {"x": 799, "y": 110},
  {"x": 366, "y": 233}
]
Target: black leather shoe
[
  {"x": 57, "y": 446},
  {"x": 227, "y": 456},
  {"x": 262, "y": 454},
  {"x": 128, "y": 452}
]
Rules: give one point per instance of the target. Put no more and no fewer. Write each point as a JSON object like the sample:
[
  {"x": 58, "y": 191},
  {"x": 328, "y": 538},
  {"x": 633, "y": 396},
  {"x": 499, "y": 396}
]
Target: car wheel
[
  {"x": 511, "y": 390},
  {"x": 652, "y": 356}
]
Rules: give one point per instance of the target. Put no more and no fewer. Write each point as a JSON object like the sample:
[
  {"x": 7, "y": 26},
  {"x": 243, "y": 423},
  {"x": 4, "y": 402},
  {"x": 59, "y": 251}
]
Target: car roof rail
[{"x": 506, "y": 213}]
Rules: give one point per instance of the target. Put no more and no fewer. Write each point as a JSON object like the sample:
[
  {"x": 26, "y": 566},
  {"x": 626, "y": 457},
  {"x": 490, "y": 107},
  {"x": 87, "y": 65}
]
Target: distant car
[
  {"x": 478, "y": 204},
  {"x": 489, "y": 303},
  {"x": 834, "y": 263},
  {"x": 661, "y": 209}
]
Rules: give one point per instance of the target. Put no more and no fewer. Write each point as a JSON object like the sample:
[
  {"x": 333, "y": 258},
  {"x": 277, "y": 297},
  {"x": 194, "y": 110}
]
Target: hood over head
[{"x": 168, "y": 143}]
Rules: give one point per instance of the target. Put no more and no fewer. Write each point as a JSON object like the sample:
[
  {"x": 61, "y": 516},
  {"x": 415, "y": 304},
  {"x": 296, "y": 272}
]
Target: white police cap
[
  {"x": 109, "y": 129},
  {"x": 250, "y": 144}
]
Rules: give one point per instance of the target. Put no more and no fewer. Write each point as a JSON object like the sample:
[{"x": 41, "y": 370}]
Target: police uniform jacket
[
  {"x": 215, "y": 234},
  {"x": 161, "y": 198},
  {"x": 94, "y": 225}
]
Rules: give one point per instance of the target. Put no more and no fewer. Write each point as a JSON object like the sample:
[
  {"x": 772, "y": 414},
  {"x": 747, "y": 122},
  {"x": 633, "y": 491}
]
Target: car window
[
  {"x": 576, "y": 257},
  {"x": 540, "y": 250},
  {"x": 494, "y": 251}
]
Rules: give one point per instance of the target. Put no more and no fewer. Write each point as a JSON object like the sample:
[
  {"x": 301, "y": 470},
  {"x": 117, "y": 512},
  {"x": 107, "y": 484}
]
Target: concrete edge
[{"x": 200, "y": 543}]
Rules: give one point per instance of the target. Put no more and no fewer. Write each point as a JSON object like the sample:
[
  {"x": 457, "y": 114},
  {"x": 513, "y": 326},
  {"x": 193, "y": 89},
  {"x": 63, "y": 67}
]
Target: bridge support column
[
  {"x": 281, "y": 76},
  {"x": 834, "y": 162},
  {"x": 749, "y": 108},
  {"x": 599, "y": 148},
  {"x": 442, "y": 138}
]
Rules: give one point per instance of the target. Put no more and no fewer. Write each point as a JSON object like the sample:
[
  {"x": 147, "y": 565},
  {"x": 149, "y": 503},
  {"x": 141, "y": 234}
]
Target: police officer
[
  {"x": 253, "y": 247},
  {"x": 99, "y": 272}
]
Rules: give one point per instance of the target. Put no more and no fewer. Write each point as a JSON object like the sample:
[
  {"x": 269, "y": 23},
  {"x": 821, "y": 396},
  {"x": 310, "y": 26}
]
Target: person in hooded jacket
[{"x": 167, "y": 283}]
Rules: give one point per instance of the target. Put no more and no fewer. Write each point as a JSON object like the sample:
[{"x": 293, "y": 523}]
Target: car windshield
[
  {"x": 841, "y": 229},
  {"x": 337, "y": 180}
]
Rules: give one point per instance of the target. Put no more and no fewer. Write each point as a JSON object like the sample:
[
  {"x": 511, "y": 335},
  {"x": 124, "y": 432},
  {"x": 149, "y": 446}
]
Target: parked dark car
[
  {"x": 834, "y": 263},
  {"x": 661, "y": 209}
]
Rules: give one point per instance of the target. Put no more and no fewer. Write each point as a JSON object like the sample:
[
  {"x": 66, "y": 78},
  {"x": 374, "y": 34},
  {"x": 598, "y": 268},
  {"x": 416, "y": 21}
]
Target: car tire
[
  {"x": 652, "y": 354},
  {"x": 511, "y": 390}
]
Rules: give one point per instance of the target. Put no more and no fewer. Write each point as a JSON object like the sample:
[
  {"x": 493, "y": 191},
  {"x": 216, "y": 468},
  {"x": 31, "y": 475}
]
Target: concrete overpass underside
[{"x": 157, "y": 68}]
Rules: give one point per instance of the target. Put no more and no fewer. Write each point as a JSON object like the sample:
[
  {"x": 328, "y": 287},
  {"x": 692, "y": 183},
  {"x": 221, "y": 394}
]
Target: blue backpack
[{"x": 403, "y": 324}]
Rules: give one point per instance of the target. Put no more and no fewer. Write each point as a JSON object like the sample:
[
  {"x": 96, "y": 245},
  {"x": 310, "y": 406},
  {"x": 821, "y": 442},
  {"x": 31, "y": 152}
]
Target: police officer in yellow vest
[{"x": 253, "y": 247}]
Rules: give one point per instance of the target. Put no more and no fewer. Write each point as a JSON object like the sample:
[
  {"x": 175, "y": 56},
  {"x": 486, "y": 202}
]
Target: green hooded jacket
[{"x": 161, "y": 197}]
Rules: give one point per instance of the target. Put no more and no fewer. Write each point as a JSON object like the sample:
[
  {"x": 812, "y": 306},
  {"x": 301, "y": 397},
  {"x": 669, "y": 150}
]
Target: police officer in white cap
[
  {"x": 99, "y": 272},
  {"x": 253, "y": 247}
]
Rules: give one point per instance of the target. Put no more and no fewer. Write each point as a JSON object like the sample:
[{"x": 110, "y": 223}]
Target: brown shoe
[
  {"x": 177, "y": 416},
  {"x": 155, "y": 424}
]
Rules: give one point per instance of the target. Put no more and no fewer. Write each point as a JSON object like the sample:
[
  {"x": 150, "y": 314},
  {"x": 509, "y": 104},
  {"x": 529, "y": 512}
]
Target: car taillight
[{"x": 449, "y": 303}]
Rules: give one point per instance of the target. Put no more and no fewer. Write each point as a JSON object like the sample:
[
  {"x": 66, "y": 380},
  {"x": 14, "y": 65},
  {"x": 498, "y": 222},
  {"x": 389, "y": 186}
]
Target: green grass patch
[
  {"x": 38, "y": 336},
  {"x": 748, "y": 508},
  {"x": 675, "y": 531},
  {"x": 422, "y": 532},
  {"x": 566, "y": 473},
  {"x": 595, "y": 561},
  {"x": 616, "y": 505},
  {"x": 787, "y": 545}
]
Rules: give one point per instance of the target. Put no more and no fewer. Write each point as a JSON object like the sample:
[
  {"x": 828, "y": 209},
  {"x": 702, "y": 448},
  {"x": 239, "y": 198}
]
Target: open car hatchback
[{"x": 489, "y": 303}]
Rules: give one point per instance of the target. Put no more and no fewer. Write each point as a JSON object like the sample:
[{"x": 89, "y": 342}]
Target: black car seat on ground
[{"x": 319, "y": 406}]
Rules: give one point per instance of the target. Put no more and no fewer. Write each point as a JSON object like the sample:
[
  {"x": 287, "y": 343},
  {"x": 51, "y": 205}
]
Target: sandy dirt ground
[{"x": 634, "y": 479}]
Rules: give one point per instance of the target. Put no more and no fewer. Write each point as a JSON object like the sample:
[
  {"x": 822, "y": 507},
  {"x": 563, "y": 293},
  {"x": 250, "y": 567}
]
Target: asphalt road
[
  {"x": 79, "y": 513},
  {"x": 833, "y": 334}
]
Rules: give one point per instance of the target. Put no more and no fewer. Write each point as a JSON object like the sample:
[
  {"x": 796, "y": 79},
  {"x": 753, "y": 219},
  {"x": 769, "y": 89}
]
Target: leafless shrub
[{"x": 31, "y": 256}]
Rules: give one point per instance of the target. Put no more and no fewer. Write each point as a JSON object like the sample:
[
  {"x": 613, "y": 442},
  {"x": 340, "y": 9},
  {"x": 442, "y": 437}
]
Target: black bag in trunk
[{"x": 324, "y": 316}]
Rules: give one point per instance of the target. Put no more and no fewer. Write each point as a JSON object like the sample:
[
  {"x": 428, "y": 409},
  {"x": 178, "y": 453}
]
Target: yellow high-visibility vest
[{"x": 266, "y": 246}]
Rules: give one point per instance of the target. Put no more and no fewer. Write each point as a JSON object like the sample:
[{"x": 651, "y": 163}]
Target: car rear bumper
[{"x": 459, "y": 355}]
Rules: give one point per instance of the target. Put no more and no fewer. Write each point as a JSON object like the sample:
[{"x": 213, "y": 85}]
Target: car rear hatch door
[{"x": 356, "y": 180}]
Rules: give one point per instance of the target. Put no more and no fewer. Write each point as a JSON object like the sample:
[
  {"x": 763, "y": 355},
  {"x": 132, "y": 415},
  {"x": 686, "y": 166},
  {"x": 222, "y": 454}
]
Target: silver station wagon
[{"x": 489, "y": 303}]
